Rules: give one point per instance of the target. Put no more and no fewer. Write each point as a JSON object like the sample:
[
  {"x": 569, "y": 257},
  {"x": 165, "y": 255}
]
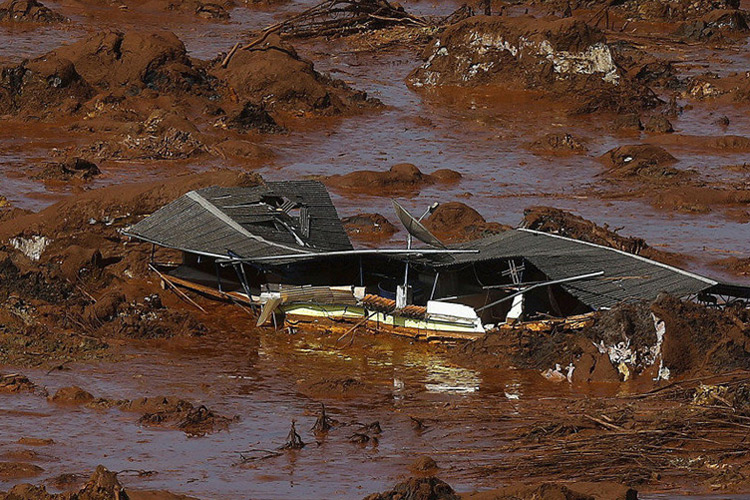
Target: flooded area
[{"x": 632, "y": 126}]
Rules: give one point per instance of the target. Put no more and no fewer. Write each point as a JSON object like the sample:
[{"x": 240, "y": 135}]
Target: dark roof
[
  {"x": 626, "y": 276},
  {"x": 276, "y": 218}
]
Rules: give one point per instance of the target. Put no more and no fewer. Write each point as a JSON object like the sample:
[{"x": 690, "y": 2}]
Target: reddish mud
[{"x": 132, "y": 95}]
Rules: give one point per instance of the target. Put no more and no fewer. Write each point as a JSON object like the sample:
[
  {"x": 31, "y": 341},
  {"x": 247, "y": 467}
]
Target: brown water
[{"x": 257, "y": 376}]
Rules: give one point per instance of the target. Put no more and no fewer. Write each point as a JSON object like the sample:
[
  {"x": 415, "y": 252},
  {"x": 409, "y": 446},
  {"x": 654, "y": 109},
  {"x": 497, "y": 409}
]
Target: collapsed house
[{"x": 281, "y": 249}]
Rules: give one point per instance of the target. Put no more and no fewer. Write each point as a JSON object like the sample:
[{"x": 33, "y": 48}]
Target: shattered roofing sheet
[
  {"x": 252, "y": 222},
  {"x": 626, "y": 276}
]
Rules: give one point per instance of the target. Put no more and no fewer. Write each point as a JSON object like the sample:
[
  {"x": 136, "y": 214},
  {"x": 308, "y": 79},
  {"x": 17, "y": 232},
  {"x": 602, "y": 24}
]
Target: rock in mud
[
  {"x": 29, "y": 11},
  {"x": 402, "y": 178},
  {"x": 641, "y": 160},
  {"x": 562, "y": 57},
  {"x": 455, "y": 222}
]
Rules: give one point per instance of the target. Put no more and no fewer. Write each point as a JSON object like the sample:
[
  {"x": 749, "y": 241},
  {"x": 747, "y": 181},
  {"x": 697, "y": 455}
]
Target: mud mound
[
  {"x": 455, "y": 222},
  {"x": 700, "y": 340},
  {"x": 429, "y": 488},
  {"x": 368, "y": 227},
  {"x": 557, "y": 143},
  {"x": 403, "y": 178},
  {"x": 736, "y": 265},
  {"x": 557, "y": 221},
  {"x": 132, "y": 61},
  {"x": 45, "y": 86},
  {"x": 641, "y": 160},
  {"x": 556, "y": 56},
  {"x": 274, "y": 76},
  {"x": 29, "y": 11}
]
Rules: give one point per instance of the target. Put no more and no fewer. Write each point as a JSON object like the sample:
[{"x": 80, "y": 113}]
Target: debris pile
[
  {"x": 641, "y": 160},
  {"x": 557, "y": 57},
  {"x": 368, "y": 227}
]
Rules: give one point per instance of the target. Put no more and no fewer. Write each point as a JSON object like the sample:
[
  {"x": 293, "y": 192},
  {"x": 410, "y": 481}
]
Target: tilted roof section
[
  {"x": 626, "y": 277},
  {"x": 276, "y": 218}
]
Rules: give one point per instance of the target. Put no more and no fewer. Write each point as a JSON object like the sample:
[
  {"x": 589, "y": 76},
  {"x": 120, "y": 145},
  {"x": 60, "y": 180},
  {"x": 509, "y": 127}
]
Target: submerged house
[{"x": 281, "y": 249}]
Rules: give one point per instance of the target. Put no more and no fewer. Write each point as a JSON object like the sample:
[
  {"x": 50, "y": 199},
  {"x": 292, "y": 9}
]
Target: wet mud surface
[{"x": 660, "y": 170}]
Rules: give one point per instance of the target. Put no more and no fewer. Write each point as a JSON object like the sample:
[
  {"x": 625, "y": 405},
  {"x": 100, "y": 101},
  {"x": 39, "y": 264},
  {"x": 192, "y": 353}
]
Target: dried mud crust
[
  {"x": 70, "y": 282},
  {"x": 138, "y": 95},
  {"x": 558, "y": 57}
]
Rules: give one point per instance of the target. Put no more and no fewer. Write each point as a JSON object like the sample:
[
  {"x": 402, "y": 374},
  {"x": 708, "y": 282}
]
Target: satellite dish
[{"x": 416, "y": 228}]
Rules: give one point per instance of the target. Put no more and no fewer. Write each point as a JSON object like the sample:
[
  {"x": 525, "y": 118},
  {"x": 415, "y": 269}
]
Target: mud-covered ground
[{"x": 626, "y": 126}]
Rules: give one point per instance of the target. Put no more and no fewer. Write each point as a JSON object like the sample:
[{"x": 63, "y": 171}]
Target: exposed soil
[{"x": 401, "y": 179}]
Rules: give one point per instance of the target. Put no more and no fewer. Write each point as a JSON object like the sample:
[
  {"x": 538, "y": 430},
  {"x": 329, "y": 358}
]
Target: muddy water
[
  {"x": 256, "y": 377},
  {"x": 480, "y": 135}
]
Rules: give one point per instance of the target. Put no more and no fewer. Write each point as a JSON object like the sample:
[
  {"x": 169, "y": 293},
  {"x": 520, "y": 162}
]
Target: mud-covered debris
[
  {"x": 658, "y": 124},
  {"x": 30, "y": 11},
  {"x": 455, "y": 221},
  {"x": 253, "y": 117},
  {"x": 557, "y": 57},
  {"x": 641, "y": 160},
  {"x": 32, "y": 441},
  {"x": 717, "y": 24},
  {"x": 558, "y": 143},
  {"x": 368, "y": 226},
  {"x": 293, "y": 440},
  {"x": 201, "y": 421},
  {"x": 74, "y": 168},
  {"x": 628, "y": 122},
  {"x": 558, "y": 221},
  {"x": 15, "y": 382},
  {"x": 555, "y": 491},
  {"x": 323, "y": 423},
  {"x": 423, "y": 488}
]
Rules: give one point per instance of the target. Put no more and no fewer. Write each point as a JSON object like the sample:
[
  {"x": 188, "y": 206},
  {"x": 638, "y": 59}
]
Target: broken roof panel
[
  {"x": 277, "y": 218},
  {"x": 626, "y": 276}
]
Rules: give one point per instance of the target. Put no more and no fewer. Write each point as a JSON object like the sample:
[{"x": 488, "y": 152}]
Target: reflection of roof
[
  {"x": 626, "y": 276},
  {"x": 277, "y": 218}
]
